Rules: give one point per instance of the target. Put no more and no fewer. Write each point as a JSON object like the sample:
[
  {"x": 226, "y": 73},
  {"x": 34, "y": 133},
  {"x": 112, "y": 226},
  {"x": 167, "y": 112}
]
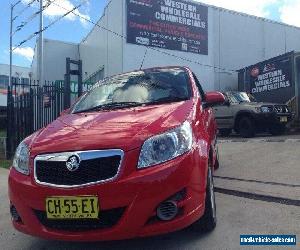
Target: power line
[
  {"x": 142, "y": 64},
  {"x": 29, "y": 19},
  {"x": 24, "y": 9},
  {"x": 152, "y": 48},
  {"x": 15, "y": 4},
  {"x": 47, "y": 27}
]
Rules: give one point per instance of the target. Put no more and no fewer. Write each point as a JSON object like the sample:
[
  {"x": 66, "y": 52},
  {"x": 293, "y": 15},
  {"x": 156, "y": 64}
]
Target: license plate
[
  {"x": 283, "y": 119},
  {"x": 72, "y": 207}
]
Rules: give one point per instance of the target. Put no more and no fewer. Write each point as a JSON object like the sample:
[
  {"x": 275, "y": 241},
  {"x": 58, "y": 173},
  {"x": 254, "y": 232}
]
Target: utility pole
[
  {"x": 41, "y": 47},
  {"x": 10, "y": 44}
]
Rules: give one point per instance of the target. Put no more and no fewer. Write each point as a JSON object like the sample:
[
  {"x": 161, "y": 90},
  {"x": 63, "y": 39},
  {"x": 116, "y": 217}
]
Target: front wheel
[
  {"x": 209, "y": 220},
  {"x": 246, "y": 127}
]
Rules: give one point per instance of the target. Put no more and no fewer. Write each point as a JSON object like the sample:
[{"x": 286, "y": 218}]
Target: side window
[
  {"x": 232, "y": 99},
  {"x": 202, "y": 94},
  {"x": 3, "y": 81}
]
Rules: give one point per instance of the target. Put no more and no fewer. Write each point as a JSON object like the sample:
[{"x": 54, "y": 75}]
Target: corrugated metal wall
[{"x": 235, "y": 40}]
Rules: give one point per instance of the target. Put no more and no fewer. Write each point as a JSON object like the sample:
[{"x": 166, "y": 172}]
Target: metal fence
[{"x": 32, "y": 107}]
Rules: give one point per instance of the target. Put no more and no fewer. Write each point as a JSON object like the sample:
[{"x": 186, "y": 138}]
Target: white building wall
[
  {"x": 103, "y": 49},
  {"x": 235, "y": 41},
  {"x": 292, "y": 38},
  {"x": 17, "y": 71},
  {"x": 274, "y": 39},
  {"x": 244, "y": 40},
  {"x": 55, "y": 54},
  {"x": 34, "y": 63}
]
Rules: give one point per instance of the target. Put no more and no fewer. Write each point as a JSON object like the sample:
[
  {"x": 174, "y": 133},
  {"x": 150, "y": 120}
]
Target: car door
[{"x": 224, "y": 114}]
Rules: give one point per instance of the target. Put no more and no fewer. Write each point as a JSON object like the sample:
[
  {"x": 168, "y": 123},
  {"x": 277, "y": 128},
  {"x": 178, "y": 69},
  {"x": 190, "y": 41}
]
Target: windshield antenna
[{"x": 142, "y": 64}]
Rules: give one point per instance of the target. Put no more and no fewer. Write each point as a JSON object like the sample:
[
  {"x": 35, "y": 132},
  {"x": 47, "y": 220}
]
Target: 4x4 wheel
[
  {"x": 246, "y": 127},
  {"x": 209, "y": 220}
]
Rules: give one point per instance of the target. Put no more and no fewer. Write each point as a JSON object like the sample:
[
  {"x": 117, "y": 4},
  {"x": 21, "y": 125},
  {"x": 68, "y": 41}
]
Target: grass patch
[
  {"x": 2, "y": 133},
  {"x": 5, "y": 164}
]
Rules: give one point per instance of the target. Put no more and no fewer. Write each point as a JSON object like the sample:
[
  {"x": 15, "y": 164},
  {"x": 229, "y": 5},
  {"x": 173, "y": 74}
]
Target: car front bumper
[
  {"x": 138, "y": 193},
  {"x": 267, "y": 120}
]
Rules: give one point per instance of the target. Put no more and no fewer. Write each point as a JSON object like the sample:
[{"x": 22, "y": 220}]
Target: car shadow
[
  {"x": 236, "y": 137},
  {"x": 177, "y": 240}
]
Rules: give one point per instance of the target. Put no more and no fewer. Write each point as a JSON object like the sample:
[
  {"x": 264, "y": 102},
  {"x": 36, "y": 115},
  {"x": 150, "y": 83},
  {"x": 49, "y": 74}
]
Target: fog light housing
[
  {"x": 14, "y": 214},
  {"x": 167, "y": 210}
]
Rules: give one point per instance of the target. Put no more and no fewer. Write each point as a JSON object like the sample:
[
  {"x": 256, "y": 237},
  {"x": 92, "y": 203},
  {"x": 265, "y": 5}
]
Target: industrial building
[
  {"x": 19, "y": 75},
  {"x": 214, "y": 42}
]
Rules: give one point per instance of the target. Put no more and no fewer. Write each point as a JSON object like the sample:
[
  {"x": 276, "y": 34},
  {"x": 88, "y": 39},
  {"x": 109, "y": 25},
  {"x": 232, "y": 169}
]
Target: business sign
[
  {"x": 272, "y": 81},
  {"x": 168, "y": 24}
]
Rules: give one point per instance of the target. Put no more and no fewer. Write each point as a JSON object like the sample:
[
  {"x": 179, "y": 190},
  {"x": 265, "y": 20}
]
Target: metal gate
[{"x": 32, "y": 107}]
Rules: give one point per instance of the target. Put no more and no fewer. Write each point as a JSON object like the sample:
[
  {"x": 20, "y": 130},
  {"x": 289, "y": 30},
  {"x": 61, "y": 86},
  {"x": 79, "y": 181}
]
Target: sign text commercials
[
  {"x": 272, "y": 81},
  {"x": 175, "y": 25}
]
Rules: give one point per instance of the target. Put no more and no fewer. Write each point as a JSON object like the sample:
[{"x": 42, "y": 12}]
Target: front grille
[
  {"x": 92, "y": 168},
  {"x": 107, "y": 219},
  {"x": 282, "y": 109}
]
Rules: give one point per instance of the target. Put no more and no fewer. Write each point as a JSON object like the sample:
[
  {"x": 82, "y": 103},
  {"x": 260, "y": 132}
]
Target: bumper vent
[
  {"x": 167, "y": 210},
  {"x": 14, "y": 214}
]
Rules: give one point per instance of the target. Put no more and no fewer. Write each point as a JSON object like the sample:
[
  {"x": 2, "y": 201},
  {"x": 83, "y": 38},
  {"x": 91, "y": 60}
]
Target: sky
[{"x": 73, "y": 28}]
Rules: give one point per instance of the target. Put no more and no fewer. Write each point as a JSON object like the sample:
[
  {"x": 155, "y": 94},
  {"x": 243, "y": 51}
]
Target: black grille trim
[
  {"x": 107, "y": 219},
  {"x": 282, "y": 109},
  {"x": 94, "y": 167}
]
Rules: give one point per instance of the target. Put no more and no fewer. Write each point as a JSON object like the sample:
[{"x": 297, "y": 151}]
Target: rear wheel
[
  {"x": 278, "y": 129},
  {"x": 246, "y": 127},
  {"x": 209, "y": 220}
]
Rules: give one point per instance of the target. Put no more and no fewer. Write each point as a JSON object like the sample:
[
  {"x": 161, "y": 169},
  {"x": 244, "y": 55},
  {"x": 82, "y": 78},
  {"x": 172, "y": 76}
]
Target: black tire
[
  {"x": 217, "y": 163},
  {"x": 246, "y": 127},
  {"x": 208, "y": 221},
  {"x": 225, "y": 132},
  {"x": 278, "y": 129}
]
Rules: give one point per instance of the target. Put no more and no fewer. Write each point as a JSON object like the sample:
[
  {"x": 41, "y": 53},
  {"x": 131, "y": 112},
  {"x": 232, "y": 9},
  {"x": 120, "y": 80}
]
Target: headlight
[
  {"x": 263, "y": 109},
  {"x": 166, "y": 146},
  {"x": 21, "y": 159}
]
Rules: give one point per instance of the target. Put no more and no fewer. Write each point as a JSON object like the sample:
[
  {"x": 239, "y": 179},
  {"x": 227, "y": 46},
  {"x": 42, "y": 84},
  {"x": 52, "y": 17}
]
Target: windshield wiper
[
  {"x": 168, "y": 100},
  {"x": 111, "y": 105},
  {"x": 115, "y": 105}
]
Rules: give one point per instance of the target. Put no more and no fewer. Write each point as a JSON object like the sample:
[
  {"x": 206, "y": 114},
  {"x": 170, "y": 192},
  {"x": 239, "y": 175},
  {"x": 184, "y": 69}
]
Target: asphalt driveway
[{"x": 258, "y": 192}]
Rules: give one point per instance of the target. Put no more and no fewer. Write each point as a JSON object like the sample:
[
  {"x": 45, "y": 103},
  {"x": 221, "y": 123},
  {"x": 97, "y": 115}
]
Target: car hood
[
  {"x": 259, "y": 104},
  {"x": 124, "y": 129}
]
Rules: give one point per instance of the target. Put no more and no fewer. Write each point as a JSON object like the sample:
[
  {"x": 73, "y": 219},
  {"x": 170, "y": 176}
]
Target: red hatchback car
[{"x": 133, "y": 157}]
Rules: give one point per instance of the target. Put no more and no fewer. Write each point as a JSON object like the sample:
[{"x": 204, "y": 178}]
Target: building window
[
  {"x": 25, "y": 81},
  {"x": 15, "y": 80},
  {"x": 4, "y": 80}
]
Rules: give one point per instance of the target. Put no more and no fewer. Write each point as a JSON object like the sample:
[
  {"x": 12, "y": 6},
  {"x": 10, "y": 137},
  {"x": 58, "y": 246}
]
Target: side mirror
[
  {"x": 64, "y": 112},
  {"x": 214, "y": 98}
]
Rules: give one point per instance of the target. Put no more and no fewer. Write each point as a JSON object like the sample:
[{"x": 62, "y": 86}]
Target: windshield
[
  {"x": 137, "y": 88},
  {"x": 238, "y": 97}
]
